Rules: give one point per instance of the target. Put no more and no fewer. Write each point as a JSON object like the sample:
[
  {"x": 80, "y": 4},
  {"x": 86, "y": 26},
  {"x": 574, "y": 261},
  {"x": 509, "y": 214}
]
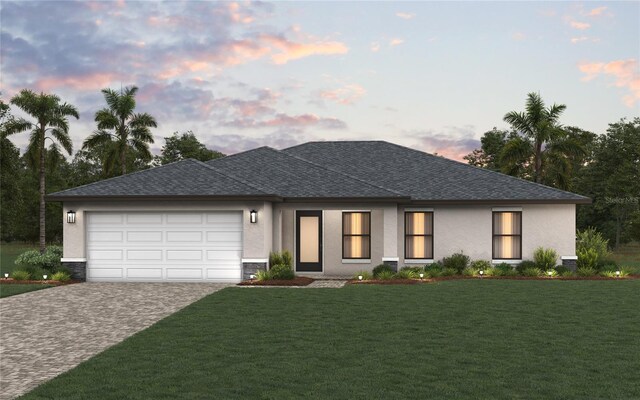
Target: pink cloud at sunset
[
  {"x": 346, "y": 95},
  {"x": 625, "y": 73}
]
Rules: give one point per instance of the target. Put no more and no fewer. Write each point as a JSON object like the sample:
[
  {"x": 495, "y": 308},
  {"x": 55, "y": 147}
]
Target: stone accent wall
[
  {"x": 252, "y": 268},
  {"x": 78, "y": 269},
  {"x": 392, "y": 264},
  {"x": 571, "y": 264}
]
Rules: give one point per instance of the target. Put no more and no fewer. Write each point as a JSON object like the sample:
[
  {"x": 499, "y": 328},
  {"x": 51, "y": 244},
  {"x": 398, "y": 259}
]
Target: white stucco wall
[{"x": 257, "y": 238}]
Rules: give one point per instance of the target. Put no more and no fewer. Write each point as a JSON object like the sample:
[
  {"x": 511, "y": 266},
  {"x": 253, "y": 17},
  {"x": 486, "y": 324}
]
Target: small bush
[
  {"x": 407, "y": 273},
  {"x": 283, "y": 258},
  {"x": 263, "y": 275},
  {"x": 591, "y": 239},
  {"x": 526, "y": 264},
  {"x": 49, "y": 260},
  {"x": 566, "y": 273},
  {"x": 551, "y": 273},
  {"x": 587, "y": 258},
  {"x": 382, "y": 268},
  {"x": 504, "y": 269},
  {"x": 469, "y": 271},
  {"x": 561, "y": 269},
  {"x": 366, "y": 275},
  {"x": 457, "y": 261},
  {"x": 21, "y": 275},
  {"x": 611, "y": 272},
  {"x": 385, "y": 275},
  {"x": 531, "y": 272},
  {"x": 587, "y": 271},
  {"x": 61, "y": 276},
  {"x": 449, "y": 272},
  {"x": 481, "y": 264},
  {"x": 545, "y": 259},
  {"x": 281, "y": 271},
  {"x": 414, "y": 269}
]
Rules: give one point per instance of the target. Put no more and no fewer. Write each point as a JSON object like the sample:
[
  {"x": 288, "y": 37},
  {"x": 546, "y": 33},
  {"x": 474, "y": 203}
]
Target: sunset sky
[{"x": 430, "y": 75}]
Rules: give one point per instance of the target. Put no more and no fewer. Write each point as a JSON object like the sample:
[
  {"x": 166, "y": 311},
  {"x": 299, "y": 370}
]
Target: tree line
[
  {"x": 537, "y": 147},
  {"x": 119, "y": 144}
]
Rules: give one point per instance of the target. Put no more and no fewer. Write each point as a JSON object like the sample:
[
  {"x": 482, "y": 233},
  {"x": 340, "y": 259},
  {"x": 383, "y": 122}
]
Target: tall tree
[
  {"x": 488, "y": 155},
  {"x": 541, "y": 141},
  {"x": 51, "y": 122},
  {"x": 121, "y": 130},
  {"x": 186, "y": 145}
]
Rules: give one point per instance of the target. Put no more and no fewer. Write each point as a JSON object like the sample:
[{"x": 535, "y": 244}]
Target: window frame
[
  {"x": 494, "y": 235},
  {"x": 353, "y": 235},
  {"x": 407, "y": 235}
]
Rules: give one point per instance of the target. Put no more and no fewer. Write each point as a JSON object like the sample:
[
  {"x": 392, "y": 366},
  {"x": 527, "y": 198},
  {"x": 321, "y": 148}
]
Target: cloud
[
  {"x": 405, "y": 15},
  {"x": 287, "y": 50},
  {"x": 454, "y": 142},
  {"x": 518, "y": 36},
  {"x": 375, "y": 47},
  {"x": 625, "y": 74},
  {"x": 232, "y": 143},
  {"x": 345, "y": 95},
  {"x": 287, "y": 121},
  {"x": 596, "y": 11},
  {"x": 396, "y": 42},
  {"x": 579, "y": 25},
  {"x": 575, "y": 40}
]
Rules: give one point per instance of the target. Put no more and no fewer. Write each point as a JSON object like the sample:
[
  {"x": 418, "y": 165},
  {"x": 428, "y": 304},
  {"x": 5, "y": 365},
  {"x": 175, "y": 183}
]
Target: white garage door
[{"x": 164, "y": 246}]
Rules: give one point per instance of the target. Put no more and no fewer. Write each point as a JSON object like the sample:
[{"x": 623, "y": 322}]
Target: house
[{"x": 338, "y": 207}]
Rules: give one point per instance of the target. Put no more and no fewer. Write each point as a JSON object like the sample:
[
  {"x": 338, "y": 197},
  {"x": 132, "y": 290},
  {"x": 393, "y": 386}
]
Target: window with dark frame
[
  {"x": 356, "y": 235},
  {"x": 418, "y": 235},
  {"x": 507, "y": 235}
]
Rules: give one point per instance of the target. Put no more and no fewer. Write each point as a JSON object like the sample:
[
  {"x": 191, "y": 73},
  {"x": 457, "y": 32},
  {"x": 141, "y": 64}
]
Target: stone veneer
[
  {"x": 252, "y": 268},
  {"x": 570, "y": 263},
  {"x": 392, "y": 264},
  {"x": 77, "y": 269}
]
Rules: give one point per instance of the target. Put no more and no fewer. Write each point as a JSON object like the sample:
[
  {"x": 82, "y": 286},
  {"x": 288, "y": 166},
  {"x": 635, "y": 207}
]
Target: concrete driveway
[{"x": 47, "y": 332}]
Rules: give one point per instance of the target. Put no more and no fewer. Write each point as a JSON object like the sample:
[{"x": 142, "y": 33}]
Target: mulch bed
[
  {"x": 388, "y": 281},
  {"x": 297, "y": 281},
  {"x": 9, "y": 281},
  {"x": 457, "y": 277}
]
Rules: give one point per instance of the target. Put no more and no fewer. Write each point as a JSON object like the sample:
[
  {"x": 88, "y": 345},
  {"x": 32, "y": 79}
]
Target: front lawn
[
  {"x": 12, "y": 289},
  {"x": 463, "y": 339}
]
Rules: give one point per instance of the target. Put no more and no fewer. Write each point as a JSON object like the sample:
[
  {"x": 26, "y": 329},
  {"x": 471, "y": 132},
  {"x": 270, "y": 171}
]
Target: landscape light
[
  {"x": 549, "y": 273},
  {"x": 421, "y": 275},
  {"x": 6, "y": 275},
  {"x": 481, "y": 273},
  {"x": 44, "y": 277},
  {"x": 252, "y": 276},
  {"x": 359, "y": 277},
  {"x": 617, "y": 274}
]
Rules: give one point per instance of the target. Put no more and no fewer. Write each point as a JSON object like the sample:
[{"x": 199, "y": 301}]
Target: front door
[{"x": 309, "y": 241}]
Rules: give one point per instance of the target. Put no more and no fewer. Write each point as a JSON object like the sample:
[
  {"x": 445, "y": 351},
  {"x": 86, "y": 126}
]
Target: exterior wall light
[
  {"x": 71, "y": 217},
  {"x": 253, "y": 216}
]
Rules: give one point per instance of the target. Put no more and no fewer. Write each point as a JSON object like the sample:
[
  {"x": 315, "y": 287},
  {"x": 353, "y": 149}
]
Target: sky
[{"x": 429, "y": 75}]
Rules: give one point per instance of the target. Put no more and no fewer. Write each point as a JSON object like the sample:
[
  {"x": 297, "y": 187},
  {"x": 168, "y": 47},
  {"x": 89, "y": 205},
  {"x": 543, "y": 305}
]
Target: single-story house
[{"x": 338, "y": 207}]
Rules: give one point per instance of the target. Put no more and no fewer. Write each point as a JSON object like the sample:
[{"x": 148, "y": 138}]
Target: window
[
  {"x": 507, "y": 235},
  {"x": 356, "y": 235},
  {"x": 418, "y": 235}
]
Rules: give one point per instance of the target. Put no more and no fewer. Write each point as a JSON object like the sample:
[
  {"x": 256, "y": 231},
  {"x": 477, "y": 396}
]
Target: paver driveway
[{"x": 47, "y": 332}]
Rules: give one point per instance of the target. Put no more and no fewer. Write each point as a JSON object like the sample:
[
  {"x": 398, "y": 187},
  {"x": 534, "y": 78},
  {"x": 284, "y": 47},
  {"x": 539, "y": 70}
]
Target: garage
[{"x": 164, "y": 246}]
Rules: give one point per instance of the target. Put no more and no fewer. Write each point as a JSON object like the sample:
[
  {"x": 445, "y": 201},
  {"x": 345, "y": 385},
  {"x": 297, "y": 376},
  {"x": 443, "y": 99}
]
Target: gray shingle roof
[
  {"x": 423, "y": 176},
  {"x": 182, "y": 178},
  {"x": 274, "y": 171}
]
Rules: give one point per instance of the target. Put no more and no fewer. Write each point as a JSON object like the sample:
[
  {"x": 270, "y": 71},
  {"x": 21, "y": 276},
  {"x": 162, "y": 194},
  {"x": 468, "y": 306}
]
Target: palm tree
[
  {"x": 120, "y": 129},
  {"x": 542, "y": 147},
  {"x": 51, "y": 123}
]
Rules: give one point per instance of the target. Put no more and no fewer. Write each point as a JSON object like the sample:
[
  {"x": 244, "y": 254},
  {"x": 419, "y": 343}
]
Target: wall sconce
[
  {"x": 253, "y": 216},
  {"x": 71, "y": 217}
]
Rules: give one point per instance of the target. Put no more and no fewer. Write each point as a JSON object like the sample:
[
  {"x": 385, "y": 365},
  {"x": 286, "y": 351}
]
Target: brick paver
[
  {"x": 47, "y": 332},
  {"x": 333, "y": 283}
]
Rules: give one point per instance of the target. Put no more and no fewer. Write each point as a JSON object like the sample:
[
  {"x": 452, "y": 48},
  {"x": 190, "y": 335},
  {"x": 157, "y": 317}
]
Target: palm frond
[
  {"x": 143, "y": 120},
  {"x": 63, "y": 138},
  {"x": 106, "y": 119},
  {"x": 141, "y": 147},
  {"x": 112, "y": 98},
  {"x": 143, "y": 134},
  {"x": 15, "y": 125},
  {"x": 97, "y": 139},
  {"x": 26, "y": 100}
]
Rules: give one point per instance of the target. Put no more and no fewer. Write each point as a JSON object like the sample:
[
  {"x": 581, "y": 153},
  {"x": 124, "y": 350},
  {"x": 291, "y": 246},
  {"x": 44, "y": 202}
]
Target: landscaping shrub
[
  {"x": 531, "y": 272},
  {"x": 385, "y": 275},
  {"x": 283, "y": 258},
  {"x": 281, "y": 271},
  {"x": 457, "y": 261},
  {"x": 545, "y": 259},
  {"x": 587, "y": 271},
  {"x": 449, "y": 272},
  {"x": 504, "y": 269},
  {"x": 526, "y": 264},
  {"x": 481, "y": 264},
  {"x": 408, "y": 273},
  {"x": 49, "y": 260},
  {"x": 21, "y": 275},
  {"x": 417, "y": 270},
  {"x": 263, "y": 275},
  {"x": 587, "y": 258},
  {"x": 611, "y": 273},
  {"x": 551, "y": 273},
  {"x": 566, "y": 273},
  {"x": 382, "y": 268},
  {"x": 561, "y": 270},
  {"x": 61, "y": 276},
  {"x": 591, "y": 239},
  {"x": 366, "y": 275}
]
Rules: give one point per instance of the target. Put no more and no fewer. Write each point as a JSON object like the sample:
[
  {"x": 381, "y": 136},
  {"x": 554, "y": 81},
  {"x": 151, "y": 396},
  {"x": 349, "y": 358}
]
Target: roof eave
[
  {"x": 266, "y": 197},
  {"x": 586, "y": 200}
]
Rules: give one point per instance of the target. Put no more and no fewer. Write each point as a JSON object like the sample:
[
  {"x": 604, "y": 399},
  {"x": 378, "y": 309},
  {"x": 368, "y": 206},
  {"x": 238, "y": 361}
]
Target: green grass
[
  {"x": 8, "y": 254},
  {"x": 460, "y": 339},
  {"x": 12, "y": 289}
]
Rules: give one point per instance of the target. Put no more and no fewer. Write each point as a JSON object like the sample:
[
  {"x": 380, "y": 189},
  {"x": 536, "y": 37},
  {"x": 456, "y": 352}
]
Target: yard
[
  {"x": 7, "y": 290},
  {"x": 464, "y": 339}
]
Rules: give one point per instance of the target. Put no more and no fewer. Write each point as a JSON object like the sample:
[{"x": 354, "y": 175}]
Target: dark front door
[{"x": 309, "y": 241}]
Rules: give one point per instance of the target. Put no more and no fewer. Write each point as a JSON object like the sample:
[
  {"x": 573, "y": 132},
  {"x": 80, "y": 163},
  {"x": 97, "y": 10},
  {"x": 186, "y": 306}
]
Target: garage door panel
[
  {"x": 144, "y": 273},
  {"x": 184, "y": 236},
  {"x": 161, "y": 246},
  {"x": 142, "y": 255},
  {"x": 144, "y": 237}
]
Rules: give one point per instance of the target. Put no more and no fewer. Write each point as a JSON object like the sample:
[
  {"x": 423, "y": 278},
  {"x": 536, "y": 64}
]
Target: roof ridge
[
  {"x": 340, "y": 172},
  {"x": 121, "y": 176},
  {"x": 235, "y": 178},
  {"x": 237, "y": 154},
  {"x": 484, "y": 169}
]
